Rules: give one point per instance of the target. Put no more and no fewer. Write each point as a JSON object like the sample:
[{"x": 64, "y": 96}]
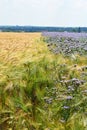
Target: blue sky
[{"x": 43, "y": 12}]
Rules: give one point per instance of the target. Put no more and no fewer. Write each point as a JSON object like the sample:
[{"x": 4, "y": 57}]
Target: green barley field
[{"x": 40, "y": 90}]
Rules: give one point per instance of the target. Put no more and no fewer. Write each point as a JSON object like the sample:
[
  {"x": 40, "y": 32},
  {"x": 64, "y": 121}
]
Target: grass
[{"x": 40, "y": 90}]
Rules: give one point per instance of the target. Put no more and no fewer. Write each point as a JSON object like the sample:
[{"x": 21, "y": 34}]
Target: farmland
[{"x": 43, "y": 81}]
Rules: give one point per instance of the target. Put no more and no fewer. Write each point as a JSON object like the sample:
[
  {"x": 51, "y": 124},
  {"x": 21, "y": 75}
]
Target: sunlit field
[{"x": 43, "y": 86}]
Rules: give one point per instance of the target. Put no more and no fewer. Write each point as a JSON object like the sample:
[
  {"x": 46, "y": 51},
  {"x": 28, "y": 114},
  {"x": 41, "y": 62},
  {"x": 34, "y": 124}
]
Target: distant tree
[
  {"x": 74, "y": 30},
  {"x": 79, "y": 29}
]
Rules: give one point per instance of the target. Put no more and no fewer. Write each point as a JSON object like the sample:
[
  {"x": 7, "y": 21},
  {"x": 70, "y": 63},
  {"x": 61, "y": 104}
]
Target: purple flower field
[
  {"x": 65, "y": 42},
  {"x": 65, "y": 35}
]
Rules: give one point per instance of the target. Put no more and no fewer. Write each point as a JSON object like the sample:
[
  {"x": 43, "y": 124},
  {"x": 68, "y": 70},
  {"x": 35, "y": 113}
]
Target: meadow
[{"x": 43, "y": 81}]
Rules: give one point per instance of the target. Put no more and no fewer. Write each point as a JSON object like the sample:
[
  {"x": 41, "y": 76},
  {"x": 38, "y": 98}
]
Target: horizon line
[{"x": 46, "y": 26}]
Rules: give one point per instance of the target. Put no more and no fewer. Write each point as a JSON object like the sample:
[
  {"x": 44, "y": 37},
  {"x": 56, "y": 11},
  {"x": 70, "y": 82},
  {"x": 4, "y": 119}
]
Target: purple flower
[
  {"x": 66, "y": 107},
  {"x": 69, "y": 97}
]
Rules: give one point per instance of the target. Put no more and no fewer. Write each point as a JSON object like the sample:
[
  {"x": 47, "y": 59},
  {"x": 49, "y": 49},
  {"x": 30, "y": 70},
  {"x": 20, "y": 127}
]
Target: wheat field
[{"x": 38, "y": 89}]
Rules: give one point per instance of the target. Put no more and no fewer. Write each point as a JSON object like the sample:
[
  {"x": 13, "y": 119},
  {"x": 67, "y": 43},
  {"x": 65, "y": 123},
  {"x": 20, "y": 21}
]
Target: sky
[{"x": 64, "y": 13}]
